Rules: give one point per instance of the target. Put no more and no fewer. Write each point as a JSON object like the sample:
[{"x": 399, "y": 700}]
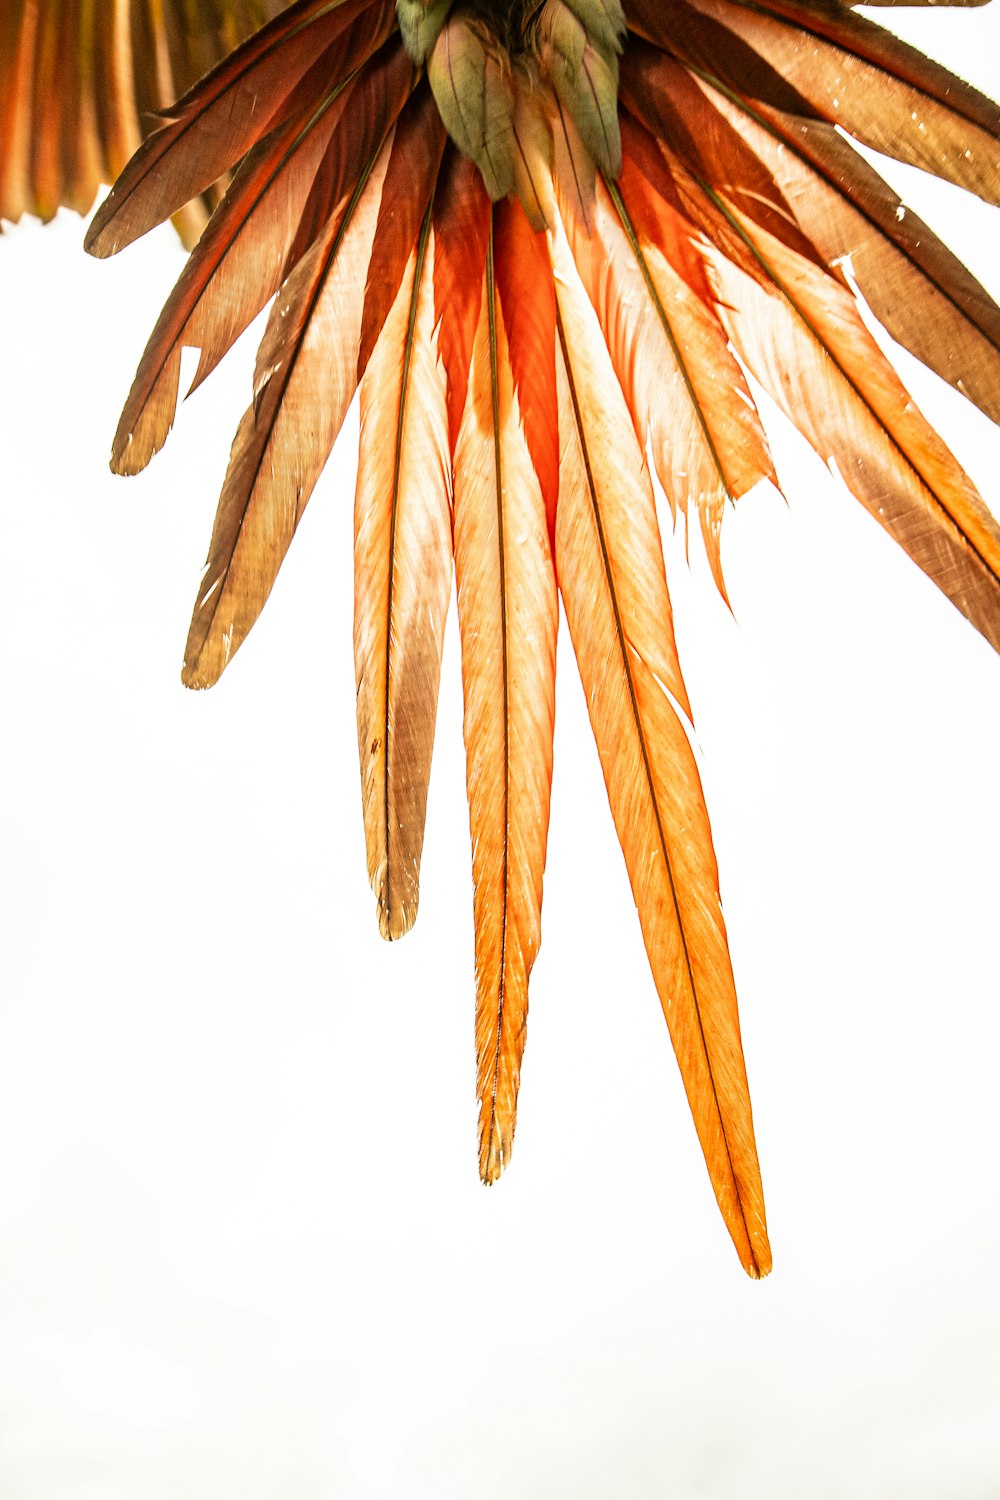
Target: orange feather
[
  {"x": 507, "y": 615},
  {"x": 613, "y": 586}
]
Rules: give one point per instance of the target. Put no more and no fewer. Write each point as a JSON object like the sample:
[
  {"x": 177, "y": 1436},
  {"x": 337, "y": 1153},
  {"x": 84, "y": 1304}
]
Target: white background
[{"x": 243, "y": 1249}]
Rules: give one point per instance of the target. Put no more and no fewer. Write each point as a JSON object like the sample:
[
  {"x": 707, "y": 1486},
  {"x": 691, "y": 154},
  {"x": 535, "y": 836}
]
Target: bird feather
[
  {"x": 507, "y": 615},
  {"x": 611, "y": 577},
  {"x": 402, "y": 583},
  {"x": 219, "y": 120},
  {"x": 808, "y": 346},
  {"x": 307, "y": 372}
]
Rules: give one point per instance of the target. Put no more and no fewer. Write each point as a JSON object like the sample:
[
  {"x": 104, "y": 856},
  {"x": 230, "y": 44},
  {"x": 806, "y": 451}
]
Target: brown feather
[
  {"x": 402, "y": 583},
  {"x": 840, "y": 24},
  {"x": 414, "y": 160},
  {"x": 528, "y": 303},
  {"x": 807, "y": 345},
  {"x": 310, "y": 346},
  {"x": 920, "y": 115},
  {"x": 80, "y": 81},
  {"x": 914, "y": 285}
]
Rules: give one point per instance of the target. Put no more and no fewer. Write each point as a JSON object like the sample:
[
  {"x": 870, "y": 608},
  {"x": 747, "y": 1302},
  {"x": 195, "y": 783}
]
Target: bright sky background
[{"x": 244, "y": 1252}]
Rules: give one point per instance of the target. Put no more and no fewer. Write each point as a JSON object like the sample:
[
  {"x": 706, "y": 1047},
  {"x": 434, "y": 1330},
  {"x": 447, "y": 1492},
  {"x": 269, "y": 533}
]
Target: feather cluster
[{"x": 546, "y": 240}]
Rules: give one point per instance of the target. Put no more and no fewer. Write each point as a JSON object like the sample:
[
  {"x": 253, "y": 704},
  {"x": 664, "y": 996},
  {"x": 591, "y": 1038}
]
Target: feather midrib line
[
  {"x": 289, "y": 369},
  {"x": 393, "y": 516},
  {"x": 910, "y": 463},
  {"x": 626, "y": 667},
  {"x": 667, "y": 327},
  {"x": 498, "y": 484}
]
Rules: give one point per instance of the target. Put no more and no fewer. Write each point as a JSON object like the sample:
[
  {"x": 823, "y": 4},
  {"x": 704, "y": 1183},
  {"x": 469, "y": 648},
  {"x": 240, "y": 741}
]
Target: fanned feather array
[{"x": 639, "y": 202}]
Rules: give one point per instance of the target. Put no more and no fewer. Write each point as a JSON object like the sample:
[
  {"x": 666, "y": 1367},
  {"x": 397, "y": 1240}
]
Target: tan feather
[
  {"x": 507, "y": 614},
  {"x": 402, "y": 583},
  {"x": 80, "y": 81},
  {"x": 611, "y": 577}
]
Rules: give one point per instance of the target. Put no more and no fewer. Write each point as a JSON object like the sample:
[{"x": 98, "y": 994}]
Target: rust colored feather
[
  {"x": 685, "y": 390},
  {"x": 507, "y": 615},
  {"x": 528, "y": 301},
  {"x": 613, "y": 586},
  {"x": 674, "y": 110},
  {"x": 414, "y": 160},
  {"x": 402, "y": 584},
  {"x": 461, "y": 228}
]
